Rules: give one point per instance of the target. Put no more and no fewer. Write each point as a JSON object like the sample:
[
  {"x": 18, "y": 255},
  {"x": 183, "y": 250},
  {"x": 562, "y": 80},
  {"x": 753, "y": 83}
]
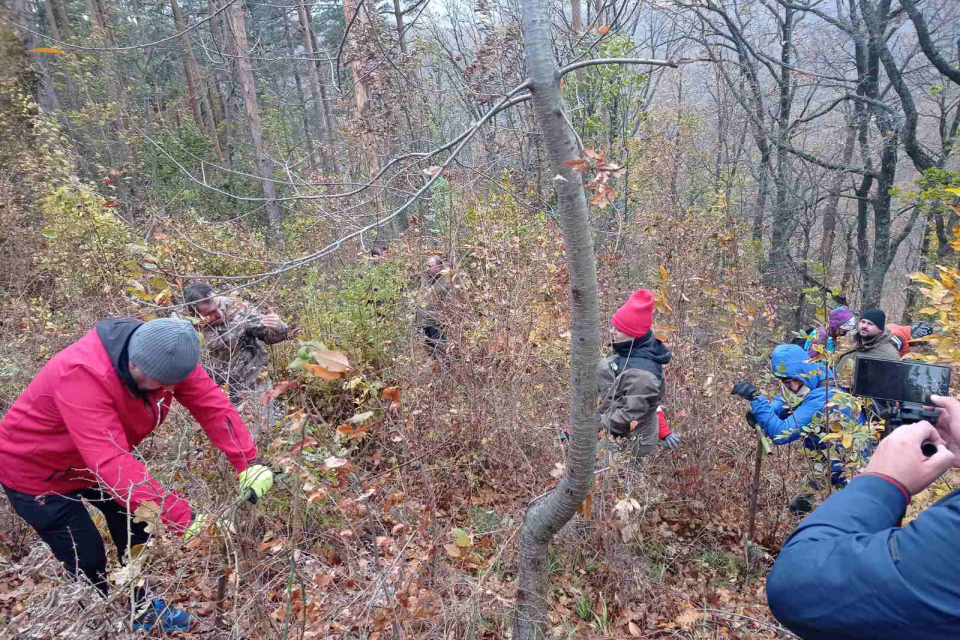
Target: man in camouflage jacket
[
  {"x": 235, "y": 335},
  {"x": 435, "y": 289}
]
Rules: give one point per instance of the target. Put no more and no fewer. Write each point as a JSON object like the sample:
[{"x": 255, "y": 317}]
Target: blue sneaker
[{"x": 170, "y": 619}]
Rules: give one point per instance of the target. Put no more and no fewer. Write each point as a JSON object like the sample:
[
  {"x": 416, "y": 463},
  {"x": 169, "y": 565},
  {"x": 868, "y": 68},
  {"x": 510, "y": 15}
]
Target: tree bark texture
[
  {"x": 360, "y": 86},
  {"x": 198, "y": 96},
  {"x": 545, "y": 518},
  {"x": 305, "y": 27},
  {"x": 238, "y": 32}
]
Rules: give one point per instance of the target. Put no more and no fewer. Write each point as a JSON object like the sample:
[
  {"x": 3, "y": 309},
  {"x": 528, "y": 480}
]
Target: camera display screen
[{"x": 900, "y": 381}]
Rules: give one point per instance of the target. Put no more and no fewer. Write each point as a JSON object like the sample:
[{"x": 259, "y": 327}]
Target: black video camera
[{"x": 902, "y": 388}]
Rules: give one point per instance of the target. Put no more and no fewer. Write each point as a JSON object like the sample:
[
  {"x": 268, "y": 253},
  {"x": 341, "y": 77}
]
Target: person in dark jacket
[
  {"x": 872, "y": 339},
  {"x": 70, "y": 438},
  {"x": 850, "y": 571},
  {"x": 630, "y": 379},
  {"x": 806, "y": 384}
]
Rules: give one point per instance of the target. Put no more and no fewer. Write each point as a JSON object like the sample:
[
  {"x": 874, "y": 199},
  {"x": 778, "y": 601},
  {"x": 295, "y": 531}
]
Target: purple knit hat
[{"x": 838, "y": 316}]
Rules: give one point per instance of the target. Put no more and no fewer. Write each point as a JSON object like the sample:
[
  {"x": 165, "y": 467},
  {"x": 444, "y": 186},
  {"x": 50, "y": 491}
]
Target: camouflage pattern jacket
[
  {"x": 237, "y": 346},
  {"x": 434, "y": 292}
]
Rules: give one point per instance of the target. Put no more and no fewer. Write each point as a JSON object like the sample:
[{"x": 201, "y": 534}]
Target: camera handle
[{"x": 908, "y": 413}]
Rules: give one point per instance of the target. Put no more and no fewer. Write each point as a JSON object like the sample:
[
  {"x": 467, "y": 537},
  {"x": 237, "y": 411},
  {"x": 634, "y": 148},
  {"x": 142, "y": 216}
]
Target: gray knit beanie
[{"x": 167, "y": 350}]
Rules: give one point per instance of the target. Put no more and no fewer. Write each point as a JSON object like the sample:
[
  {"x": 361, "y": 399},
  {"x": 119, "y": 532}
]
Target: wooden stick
[{"x": 754, "y": 493}]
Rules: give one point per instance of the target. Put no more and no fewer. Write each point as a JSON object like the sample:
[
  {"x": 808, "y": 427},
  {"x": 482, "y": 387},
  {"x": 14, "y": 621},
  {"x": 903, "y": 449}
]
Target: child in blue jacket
[{"x": 783, "y": 421}]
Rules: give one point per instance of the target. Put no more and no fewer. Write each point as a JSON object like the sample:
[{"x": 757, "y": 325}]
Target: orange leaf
[
  {"x": 594, "y": 155},
  {"x": 350, "y": 433},
  {"x": 579, "y": 165},
  {"x": 586, "y": 507},
  {"x": 322, "y": 372},
  {"x": 278, "y": 389},
  {"x": 111, "y": 203},
  {"x": 604, "y": 30},
  {"x": 392, "y": 394},
  {"x": 45, "y": 50},
  {"x": 303, "y": 444}
]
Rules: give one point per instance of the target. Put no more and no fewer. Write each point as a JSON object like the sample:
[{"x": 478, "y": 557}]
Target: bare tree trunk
[
  {"x": 830, "y": 211},
  {"x": 361, "y": 89},
  {"x": 188, "y": 65},
  {"x": 849, "y": 260},
  {"x": 60, "y": 29},
  {"x": 230, "y": 107},
  {"x": 401, "y": 36},
  {"x": 311, "y": 159},
  {"x": 545, "y": 518},
  {"x": 923, "y": 263},
  {"x": 117, "y": 96},
  {"x": 238, "y": 33},
  {"x": 198, "y": 96},
  {"x": 327, "y": 120},
  {"x": 306, "y": 28},
  {"x": 21, "y": 15}
]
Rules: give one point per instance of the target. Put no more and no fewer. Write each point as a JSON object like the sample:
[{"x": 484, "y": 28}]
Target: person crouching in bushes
[
  {"x": 630, "y": 379},
  {"x": 803, "y": 398}
]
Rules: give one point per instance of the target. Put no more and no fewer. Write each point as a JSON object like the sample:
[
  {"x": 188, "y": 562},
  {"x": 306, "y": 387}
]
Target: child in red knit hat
[{"x": 631, "y": 381}]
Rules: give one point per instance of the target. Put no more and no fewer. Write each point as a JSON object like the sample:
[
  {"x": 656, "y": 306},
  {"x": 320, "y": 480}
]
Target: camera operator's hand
[
  {"x": 948, "y": 424},
  {"x": 745, "y": 390},
  {"x": 900, "y": 458}
]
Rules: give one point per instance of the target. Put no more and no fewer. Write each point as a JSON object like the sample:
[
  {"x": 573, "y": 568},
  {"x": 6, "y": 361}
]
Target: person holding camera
[
  {"x": 804, "y": 389},
  {"x": 851, "y": 571}
]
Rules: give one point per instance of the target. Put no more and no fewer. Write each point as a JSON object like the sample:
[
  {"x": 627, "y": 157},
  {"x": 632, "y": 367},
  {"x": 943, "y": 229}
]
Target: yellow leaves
[
  {"x": 953, "y": 190},
  {"x": 919, "y": 276},
  {"x": 163, "y": 297},
  {"x": 461, "y": 542}
]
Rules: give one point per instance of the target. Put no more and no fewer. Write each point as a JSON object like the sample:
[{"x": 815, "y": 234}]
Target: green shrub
[{"x": 360, "y": 313}]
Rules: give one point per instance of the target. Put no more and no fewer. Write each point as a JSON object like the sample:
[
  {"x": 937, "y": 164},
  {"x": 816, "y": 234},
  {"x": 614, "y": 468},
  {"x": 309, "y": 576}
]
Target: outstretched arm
[{"x": 209, "y": 406}]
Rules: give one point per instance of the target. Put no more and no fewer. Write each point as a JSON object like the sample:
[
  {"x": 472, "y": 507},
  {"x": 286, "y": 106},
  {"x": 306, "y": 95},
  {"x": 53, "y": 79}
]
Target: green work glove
[
  {"x": 255, "y": 481},
  {"x": 200, "y": 522}
]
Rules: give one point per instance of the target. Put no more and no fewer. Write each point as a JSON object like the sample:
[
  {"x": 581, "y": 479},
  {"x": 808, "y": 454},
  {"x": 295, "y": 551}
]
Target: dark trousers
[
  {"x": 436, "y": 341},
  {"x": 65, "y": 525}
]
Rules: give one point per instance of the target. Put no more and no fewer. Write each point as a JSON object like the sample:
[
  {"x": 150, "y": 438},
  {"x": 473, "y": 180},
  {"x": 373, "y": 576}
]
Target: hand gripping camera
[{"x": 901, "y": 389}]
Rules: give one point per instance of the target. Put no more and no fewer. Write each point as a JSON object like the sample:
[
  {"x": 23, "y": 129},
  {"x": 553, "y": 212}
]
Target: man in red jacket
[{"x": 70, "y": 437}]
